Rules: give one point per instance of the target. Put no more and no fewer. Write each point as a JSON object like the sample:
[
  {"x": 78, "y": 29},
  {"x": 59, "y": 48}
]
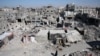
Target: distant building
[{"x": 82, "y": 9}]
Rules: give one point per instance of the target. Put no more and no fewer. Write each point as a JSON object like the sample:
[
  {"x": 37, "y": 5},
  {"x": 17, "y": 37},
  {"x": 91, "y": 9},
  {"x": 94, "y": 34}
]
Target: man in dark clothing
[{"x": 48, "y": 35}]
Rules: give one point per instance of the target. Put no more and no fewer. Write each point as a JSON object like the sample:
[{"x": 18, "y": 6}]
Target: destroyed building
[{"x": 50, "y": 28}]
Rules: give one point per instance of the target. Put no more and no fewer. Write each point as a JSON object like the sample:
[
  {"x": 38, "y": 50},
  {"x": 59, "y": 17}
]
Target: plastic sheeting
[
  {"x": 4, "y": 35},
  {"x": 33, "y": 40}
]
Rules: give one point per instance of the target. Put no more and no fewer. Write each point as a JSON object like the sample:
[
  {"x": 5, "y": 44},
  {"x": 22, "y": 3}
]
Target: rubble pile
[{"x": 49, "y": 31}]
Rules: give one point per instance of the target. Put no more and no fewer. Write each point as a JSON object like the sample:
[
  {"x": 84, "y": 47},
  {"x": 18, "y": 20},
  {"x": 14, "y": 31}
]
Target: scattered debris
[{"x": 68, "y": 31}]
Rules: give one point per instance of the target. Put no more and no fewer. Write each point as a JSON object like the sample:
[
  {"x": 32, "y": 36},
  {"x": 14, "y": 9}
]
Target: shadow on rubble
[
  {"x": 95, "y": 45},
  {"x": 55, "y": 54}
]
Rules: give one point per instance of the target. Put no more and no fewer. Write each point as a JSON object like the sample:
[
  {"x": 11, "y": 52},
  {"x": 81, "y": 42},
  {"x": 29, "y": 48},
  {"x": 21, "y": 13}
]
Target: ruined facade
[{"x": 59, "y": 29}]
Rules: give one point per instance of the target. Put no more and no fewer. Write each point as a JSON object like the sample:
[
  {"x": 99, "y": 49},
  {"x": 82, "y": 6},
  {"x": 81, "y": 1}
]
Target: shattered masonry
[{"x": 63, "y": 31}]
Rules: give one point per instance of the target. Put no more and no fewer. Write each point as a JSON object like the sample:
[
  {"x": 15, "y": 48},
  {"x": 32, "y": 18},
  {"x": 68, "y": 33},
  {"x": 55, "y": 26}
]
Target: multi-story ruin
[{"x": 53, "y": 29}]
